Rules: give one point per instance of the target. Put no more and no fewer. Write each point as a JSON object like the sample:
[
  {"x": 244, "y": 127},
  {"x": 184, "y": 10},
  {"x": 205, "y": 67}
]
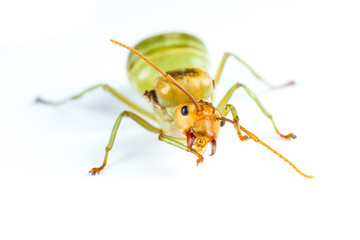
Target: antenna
[
  {"x": 167, "y": 76},
  {"x": 256, "y": 139}
]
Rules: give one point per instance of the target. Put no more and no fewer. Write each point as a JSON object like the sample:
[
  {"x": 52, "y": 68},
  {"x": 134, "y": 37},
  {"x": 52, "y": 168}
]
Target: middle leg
[
  {"x": 137, "y": 119},
  {"x": 226, "y": 98}
]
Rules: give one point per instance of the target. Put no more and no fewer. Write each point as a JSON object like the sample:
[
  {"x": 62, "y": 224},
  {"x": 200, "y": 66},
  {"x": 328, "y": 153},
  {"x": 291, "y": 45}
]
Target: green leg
[
  {"x": 175, "y": 142},
  {"x": 137, "y": 119},
  {"x": 106, "y": 88},
  {"x": 227, "y": 55},
  {"x": 226, "y": 98}
]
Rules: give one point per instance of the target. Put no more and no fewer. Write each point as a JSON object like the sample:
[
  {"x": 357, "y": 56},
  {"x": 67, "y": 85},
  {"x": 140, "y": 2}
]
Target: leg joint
[
  {"x": 125, "y": 113},
  {"x": 105, "y": 86},
  {"x": 239, "y": 85},
  {"x": 161, "y": 137}
]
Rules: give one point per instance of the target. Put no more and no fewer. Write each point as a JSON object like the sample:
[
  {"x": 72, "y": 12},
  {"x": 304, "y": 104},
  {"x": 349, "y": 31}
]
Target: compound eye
[
  {"x": 222, "y": 123},
  {"x": 185, "y": 110}
]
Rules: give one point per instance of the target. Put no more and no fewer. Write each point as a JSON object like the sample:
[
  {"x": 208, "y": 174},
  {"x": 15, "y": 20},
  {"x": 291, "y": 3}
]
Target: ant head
[{"x": 200, "y": 127}]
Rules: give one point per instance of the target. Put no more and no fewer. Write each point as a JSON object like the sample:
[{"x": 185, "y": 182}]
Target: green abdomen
[{"x": 168, "y": 51}]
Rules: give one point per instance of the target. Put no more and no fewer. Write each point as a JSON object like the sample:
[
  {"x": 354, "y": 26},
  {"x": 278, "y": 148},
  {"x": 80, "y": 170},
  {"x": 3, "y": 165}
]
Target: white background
[{"x": 151, "y": 190}]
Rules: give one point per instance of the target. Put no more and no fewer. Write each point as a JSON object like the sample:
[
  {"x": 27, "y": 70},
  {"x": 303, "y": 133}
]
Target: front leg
[
  {"x": 176, "y": 142},
  {"x": 224, "y": 113},
  {"x": 252, "y": 136}
]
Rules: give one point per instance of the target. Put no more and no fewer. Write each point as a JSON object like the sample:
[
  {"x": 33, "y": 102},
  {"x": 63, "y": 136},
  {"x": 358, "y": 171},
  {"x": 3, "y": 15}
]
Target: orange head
[{"x": 200, "y": 127}]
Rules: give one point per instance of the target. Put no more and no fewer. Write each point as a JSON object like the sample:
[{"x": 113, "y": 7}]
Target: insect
[{"x": 170, "y": 71}]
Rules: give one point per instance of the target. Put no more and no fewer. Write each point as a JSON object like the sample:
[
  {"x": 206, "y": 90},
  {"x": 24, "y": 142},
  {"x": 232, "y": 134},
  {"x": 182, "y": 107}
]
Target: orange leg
[{"x": 238, "y": 127}]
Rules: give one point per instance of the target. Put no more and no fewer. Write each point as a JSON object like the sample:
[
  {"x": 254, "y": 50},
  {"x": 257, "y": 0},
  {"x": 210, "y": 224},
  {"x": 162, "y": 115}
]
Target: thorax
[{"x": 165, "y": 97}]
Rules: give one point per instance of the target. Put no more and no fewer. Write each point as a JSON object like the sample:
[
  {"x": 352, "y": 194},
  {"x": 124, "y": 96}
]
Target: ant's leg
[
  {"x": 252, "y": 136},
  {"x": 175, "y": 142},
  {"x": 227, "y": 55},
  {"x": 226, "y": 98},
  {"x": 106, "y": 88},
  {"x": 137, "y": 119},
  {"x": 230, "y": 108}
]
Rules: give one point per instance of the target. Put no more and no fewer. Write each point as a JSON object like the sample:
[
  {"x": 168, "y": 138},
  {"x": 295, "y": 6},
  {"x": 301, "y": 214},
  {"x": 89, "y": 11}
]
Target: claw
[
  {"x": 95, "y": 171},
  {"x": 200, "y": 160},
  {"x": 289, "y": 136}
]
